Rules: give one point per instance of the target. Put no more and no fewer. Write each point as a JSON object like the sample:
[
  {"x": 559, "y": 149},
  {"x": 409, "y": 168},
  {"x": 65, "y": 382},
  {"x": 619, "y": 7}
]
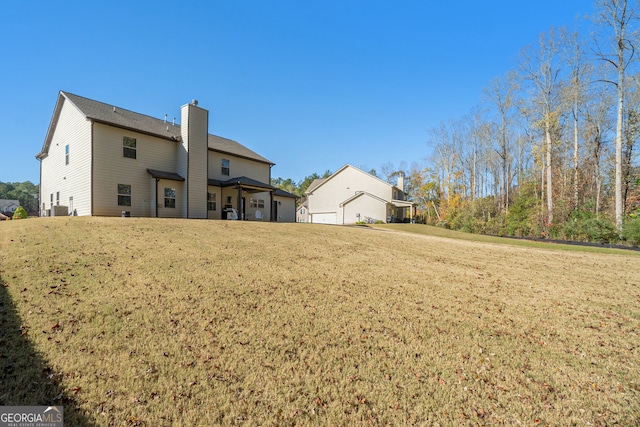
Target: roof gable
[
  {"x": 338, "y": 172},
  {"x": 360, "y": 194}
]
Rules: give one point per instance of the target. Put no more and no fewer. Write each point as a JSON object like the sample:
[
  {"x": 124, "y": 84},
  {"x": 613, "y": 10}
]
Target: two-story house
[
  {"x": 102, "y": 160},
  {"x": 351, "y": 195}
]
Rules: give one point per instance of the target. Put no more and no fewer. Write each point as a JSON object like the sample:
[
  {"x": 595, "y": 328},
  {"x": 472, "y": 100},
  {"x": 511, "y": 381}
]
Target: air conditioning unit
[
  {"x": 126, "y": 214},
  {"x": 59, "y": 210}
]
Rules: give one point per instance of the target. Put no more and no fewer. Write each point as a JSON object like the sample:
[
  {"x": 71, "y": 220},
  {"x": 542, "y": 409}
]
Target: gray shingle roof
[
  {"x": 281, "y": 192},
  {"x": 315, "y": 183},
  {"x": 112, "y": 115},
  {"x": 243, "y": 181},
  {"x": 165, "y": 175},
  {"x": 230, "y": 146},
  {"x": 116, "y": 116}
]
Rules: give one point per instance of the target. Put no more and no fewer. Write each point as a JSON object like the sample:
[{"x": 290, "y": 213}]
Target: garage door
[{"x": 324, "y": 218}]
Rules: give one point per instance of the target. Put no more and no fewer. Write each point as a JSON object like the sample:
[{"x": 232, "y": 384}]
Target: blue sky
[{"x": 308, "y": 85}]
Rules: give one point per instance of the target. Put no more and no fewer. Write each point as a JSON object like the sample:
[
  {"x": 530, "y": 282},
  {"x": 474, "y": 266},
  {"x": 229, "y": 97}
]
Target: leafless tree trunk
[
  {"x": 501, "y": 93},
  {"x": 541, "y": 69},
  {"x": 619, "y": 16},
  {"x": 597, "y": 123},
  {"x": 575, "y": 59}
]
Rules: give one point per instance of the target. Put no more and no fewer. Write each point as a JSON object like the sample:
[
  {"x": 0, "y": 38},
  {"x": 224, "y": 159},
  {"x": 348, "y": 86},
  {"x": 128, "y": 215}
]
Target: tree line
[
  {"x": 552, "y": 145},
  {"x": 551, "y": 149},
  {"x": 25, "y": 192},
  {"x": 298, "y": 188}
]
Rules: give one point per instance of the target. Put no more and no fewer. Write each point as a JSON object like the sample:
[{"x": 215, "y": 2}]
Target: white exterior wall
[
  {"x": 344, "y": 184},
  {"x": 238, "y": 166},
  {"x": 74, "y": 179},
  {"x": 366, "y": 206},
  {"x": 302, "y": 214},
  {"x": 112, "y": 168}
]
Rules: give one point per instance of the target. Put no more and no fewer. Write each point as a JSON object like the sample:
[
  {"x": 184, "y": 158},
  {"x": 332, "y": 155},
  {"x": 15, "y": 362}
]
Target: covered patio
[{"x": 234, "y": 192}]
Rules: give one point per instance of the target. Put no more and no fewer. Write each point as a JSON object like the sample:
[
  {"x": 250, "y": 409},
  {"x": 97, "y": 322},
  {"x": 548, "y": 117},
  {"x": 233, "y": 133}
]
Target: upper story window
[
  {"x": 169, "y": 197},
  {"x": 66, "y": 154},
  {"x": 225, "y": 167},
  {"x": 129, "y": 147},
  {"x": 124, "y": 195}
]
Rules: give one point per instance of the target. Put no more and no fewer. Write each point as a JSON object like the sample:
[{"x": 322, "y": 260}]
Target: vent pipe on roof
[
  {"x": 174, "y": 121},
  {"x": 114, "y": 109},
  {"x": 194, "y": 102},
  {"x": 165, "y": 117}
]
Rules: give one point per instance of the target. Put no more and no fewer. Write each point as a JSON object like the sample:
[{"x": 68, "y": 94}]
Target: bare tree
[
  {"x": 598, "y": 123},
  {"x": 501, "y": 94},
  {"x": 574, "y": 94},
  {"x": 541, "y": 68},
  {"x": 619, "y": 18}
]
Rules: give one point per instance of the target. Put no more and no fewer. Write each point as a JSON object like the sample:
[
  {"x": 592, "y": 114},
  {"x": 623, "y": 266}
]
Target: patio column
[
  {"x": 271, "y": 219},
  {"x": 240, "y": 202}
]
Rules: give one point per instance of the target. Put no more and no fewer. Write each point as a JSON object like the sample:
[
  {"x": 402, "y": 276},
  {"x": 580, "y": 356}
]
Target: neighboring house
[
  {"x": 8, "y": 207},
  {"x": 351, "y": 195},
  {"x": 102, "y": 160},
  {"x": 302, "y": 211}
]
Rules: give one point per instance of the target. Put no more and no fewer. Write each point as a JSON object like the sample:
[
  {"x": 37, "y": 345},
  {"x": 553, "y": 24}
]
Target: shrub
[
  {"x": 523, "y": 212},
  {"x": 631, "y": 232},
  {"x": 584, "y": 226},
  {"x": 20, "y": 213}
]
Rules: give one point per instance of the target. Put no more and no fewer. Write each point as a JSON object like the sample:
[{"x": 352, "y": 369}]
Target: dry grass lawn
[{"x": 197, "y": 323}]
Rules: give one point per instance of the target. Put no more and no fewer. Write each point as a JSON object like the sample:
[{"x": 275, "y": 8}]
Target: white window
[
  {"x": 169, "y": 197},
  {"x": 211, "y": 201},
  {"x": 57, "y": 198},
  {"x": 66, "y": 154},
  {"x": 124, "y": 195},
  {"x": 256, "y": 203},
  {"x": 129, "y": 147},
  {"x": 225, "y": 167}
]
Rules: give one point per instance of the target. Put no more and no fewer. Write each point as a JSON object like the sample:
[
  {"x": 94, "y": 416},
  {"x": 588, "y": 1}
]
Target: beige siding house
[
  {"x": 102, "y": 160},
  {"x": 351, "y": 195}
]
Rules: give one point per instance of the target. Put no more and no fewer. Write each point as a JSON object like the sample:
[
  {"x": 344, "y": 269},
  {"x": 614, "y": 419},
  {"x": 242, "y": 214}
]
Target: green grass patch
[
  {"x": 156, "y": 322},
  {"x": 429, "y": 230}
]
